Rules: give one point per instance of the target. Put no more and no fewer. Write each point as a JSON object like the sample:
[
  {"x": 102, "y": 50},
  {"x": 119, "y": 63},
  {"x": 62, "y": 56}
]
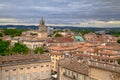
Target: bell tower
[
  {"x": 42, "y": 22},
  {"x": 42, "y": 30},
  {"x": 42, "y": 27}
]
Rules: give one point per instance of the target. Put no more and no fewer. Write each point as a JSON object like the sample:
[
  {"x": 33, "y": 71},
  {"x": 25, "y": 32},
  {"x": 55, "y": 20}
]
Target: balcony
[
  {"x": 115, "y": 68},
  {"x": 72, "y": 77}
]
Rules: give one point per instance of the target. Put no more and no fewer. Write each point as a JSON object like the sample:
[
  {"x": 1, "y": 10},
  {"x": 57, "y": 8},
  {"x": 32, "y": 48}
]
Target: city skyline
[{"x": 77, "y": 12}]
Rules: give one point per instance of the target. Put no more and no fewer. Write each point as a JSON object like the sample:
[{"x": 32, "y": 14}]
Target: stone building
[
  {"x": 42, "y": 29},
  {"x": 93, "y": 37},
  {"x": 69, "y": 69},
  {"x": 25, "y": 67},
  {"x": 75, "y": 69},
  {"x": 33, "y": 38},
  {"x": 58, "y": 52}
]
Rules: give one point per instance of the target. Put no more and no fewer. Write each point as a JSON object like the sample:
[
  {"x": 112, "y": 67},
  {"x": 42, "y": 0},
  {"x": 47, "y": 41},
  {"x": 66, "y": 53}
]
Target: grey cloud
[{"x": 60, "y": 11}]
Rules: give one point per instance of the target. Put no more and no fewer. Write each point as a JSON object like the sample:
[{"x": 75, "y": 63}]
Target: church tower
[
  {"x": 42, "y": 27},
  {"x": 42, "y": 30}
]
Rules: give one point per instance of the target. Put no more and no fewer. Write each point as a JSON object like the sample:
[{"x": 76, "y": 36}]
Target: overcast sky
[{"x": 58, "y": 11}]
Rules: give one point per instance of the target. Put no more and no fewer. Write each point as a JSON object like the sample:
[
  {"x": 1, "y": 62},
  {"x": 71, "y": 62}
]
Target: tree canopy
[
  {"x": 1, "y": 35},
  {"x": 20, "y": 48},
  {"x": 58, "y": 35},
  {"x": 39, "y": 50},
  {"x": 114, "y": 33},
  {"x": 13, "y": 32},
  {"x": 81, "y": 31},
  {"x": 4, "y": 47},
  {"x": 118, "y": 41},
  {"x": 119, "y": 61}
]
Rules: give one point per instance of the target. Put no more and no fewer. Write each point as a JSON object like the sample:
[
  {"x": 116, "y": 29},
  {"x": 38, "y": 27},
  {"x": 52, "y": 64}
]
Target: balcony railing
[
  {"x": 72, "y": 77},
  {"x": 110, "y": 67}
]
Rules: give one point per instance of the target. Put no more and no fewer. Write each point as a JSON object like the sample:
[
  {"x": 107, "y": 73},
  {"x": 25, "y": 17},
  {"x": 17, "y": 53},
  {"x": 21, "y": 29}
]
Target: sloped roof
[
  {"x": 63, "y": 39},
  {"x": 19, "y": 58},
  {"x": 74, "y": 65}
]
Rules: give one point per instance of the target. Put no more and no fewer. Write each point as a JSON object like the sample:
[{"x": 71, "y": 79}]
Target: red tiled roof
[
  {"x": 63, "y": 39},
  {"x": 108, "y": 52}
]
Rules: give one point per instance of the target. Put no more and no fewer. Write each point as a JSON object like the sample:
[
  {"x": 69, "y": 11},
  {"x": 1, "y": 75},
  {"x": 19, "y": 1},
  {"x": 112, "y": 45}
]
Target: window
[
  {"x": 68, "y": 72},
  {"x": 34, "y": 75},
  {"x": 42, "y": 66},
  {"x": 28, "y": 76},
  {"x": 14, "y": 77},
  {"x": 35, "y": 67},
  {"x": 52, "y": 58},
  {"x": 14, "y": 69},
  {"x": 52, "y": 66},
  {"x": 47, "y": 73},
  {"x": 28, "y": 67},
  {"x": 6, "y": 70},
  {"x": 21, "y": 77},
  {"x": 41, "y": 74},
  {"x": 47, "y": 65},
  {"x": 6, "y": 78},
  {"x": 52, "y": 62}
]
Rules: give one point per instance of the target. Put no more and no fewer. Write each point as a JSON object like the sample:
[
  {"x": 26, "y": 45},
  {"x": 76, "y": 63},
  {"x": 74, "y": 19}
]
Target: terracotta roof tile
[
  {"x": 21, "y": 58},
  {"x": 64, "y": 39}
]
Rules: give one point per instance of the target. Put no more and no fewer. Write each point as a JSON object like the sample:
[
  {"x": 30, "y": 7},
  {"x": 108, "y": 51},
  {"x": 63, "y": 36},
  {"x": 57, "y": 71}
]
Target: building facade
[
  {"x": 70, "y": 69},
  {"x": 25, "y": 67}
]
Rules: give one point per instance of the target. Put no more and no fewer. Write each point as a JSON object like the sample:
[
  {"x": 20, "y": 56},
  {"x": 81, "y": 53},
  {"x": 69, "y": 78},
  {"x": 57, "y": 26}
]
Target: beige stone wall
[
  {"x": 13, "y": 42},
  {"x": 65, "y": 74},
  {"x": 54, "y": 59},
  {"x": 94, "y": 74},
  {"x": 102, "y": 74},
  {"x": 0, "y": 73},
  {"x": 27, "y": 72},
  {"x": 42, "y": 35},
  {"x": 33, "y": 45}
]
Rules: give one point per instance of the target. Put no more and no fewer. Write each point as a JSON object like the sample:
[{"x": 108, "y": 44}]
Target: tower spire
[
  {"x": 42, "y": 22},
  {"x": 42, "y": 27}
]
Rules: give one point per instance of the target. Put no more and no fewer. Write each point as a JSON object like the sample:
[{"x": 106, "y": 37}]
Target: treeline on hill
[
  {"x": 82, "y": 31},
  {"x": 13, "y": 32},
  {"x": 115, "y": 33}
]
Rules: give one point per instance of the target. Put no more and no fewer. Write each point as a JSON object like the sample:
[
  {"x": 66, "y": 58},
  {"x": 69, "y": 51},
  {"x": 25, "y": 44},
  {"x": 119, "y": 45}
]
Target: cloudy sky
[{"x": 58, "y": 11}]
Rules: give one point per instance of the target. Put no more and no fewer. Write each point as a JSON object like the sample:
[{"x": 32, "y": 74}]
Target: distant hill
[{"x": 57, "y": 27}]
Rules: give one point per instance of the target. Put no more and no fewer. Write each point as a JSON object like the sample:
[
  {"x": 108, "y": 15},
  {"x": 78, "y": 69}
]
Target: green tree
[
  {"x": 39, "y": 50},
  {"x": 20, "y": 48},
  {"x": 115, "y": 33},
  {"x": 4, "y": 47},
  {"x": 13, "y": 32},
  {"x": 1, "y": 35},
  {"x": 82, "y": 31},
  {"x": 118, "y": 41},
  {"x": 58, "y": 35},
  {"x": 119, "y": 61}
]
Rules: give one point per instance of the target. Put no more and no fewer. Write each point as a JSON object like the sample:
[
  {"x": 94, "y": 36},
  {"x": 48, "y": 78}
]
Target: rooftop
[
  {"x": 30, "y": 39},
  {"x": 61, "y": 40},
  {"x": 74, "y": 65},
  {"x": 19, "y": 58}
]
